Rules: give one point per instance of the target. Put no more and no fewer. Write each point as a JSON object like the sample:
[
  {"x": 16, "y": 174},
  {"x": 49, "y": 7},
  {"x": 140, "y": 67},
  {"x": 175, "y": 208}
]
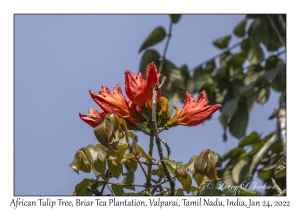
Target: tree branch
[
  {"x": 216, "y": 56},
  {"x": 151, "y": 144},
  {"x": 166, "y": 47},
  {"x": 282, "y": 124},
  {"x": 277, "y": 28},
  {"x": 157, "y": 139},
  {"x": 280, "y": 192}
]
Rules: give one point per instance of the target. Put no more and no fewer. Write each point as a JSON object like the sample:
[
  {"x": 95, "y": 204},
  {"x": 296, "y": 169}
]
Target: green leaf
[
  {"x": 254, "y": 16},
  {"x": 107, "y": 132},
  {"x": 199, "y": 179},
  {"x": 143, "y": 128},
  {"x": 280, "y": 169},
  {"x": 131, "y": 164},
  {"x": 261, "y": 31},
  {"x": 98, "y": 165},
  {"x": 118, "y": 190},
  {"x": 210, "y": 67},
  {"x": 175, "y": 17},
  {"x": 253, "y": 137},
  {"x": 227, "y": 178},
  {"x": 179, "y": 192},
  {"x": 183, "y": 169},
  {"x": 81, "y": 189},
  {"x": 229, "y": 107},
  {"x": 237, "y": 61},
  {"x": 186, "y": 183},
  {"x": 143, "y": 153},
  {"x": 271, "y": 75},
  {"x": 263, "y": 95},
  {"x": 201, "y": 162},
  {"x": 232, "y": 153},
  {"x": 200, "y": 78},
  {"x": 224, "y": 121},
  {"x": 255, "y": 54},
  {"x": 240, "y": 170},
  {"x": 76, "y": 163},
  {"x": 247, "y": 192},
  {"x": 130, "y": 177},
  {"x": 279, "y": 84},
  {"x": 176, "y": 85},
  {"x": 157, "y": 35},
  {"x": 265, "y": 174},
  {"x": 142, "y": 193},
  {"x": 253, "y": 74},
  {"x": 148, "y": 57},
  {"x": 120, "y": 151},
  {"x": 240, "y": 29},
  {"x": 114, "y": 166},
  {"x": 129, "y": 187},
  {"x": 222, "y": 42},
  {"x": 224, "y": 58},
  {"x": 239, "y": 121},
  {"x": 85, "y": 164},
  {"x": 210, "y": 170}
]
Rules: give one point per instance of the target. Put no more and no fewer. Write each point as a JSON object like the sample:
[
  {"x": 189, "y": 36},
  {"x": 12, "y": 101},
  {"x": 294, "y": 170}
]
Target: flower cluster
[{"x": 139, "y": 92}]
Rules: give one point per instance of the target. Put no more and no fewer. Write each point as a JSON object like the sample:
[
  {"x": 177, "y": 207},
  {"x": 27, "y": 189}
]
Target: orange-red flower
[
  {"x": 195, "y": 112},
  {"x": 113, "y": 102},
  {"x": 152, "y": 78},
  {"x": 139, "y": 90},
  {"x": 93, "y": 118},
  {"x": 134, "y": 88}
]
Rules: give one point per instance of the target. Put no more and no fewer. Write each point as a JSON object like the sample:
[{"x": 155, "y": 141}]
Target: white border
[{"x": 9, "y": 8}]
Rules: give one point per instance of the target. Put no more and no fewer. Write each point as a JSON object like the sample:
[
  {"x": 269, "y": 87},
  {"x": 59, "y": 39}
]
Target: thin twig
[
  {"x": 146, "y": 175},
  {"x": 160, "y": 183},
  {"x": 168, "y": 148},
  {"x": 258, "y": 156},
  {"x": 280, "y": 192},
  {"x": 166, "y": 47},
  {"x": 109, "y": 188},
  {"x": 271, "y": 157},
  {"x": 216, "y": 56},
  {"x": 276, "y": 29},
  {"x": 157, "y": 139},
  {"x": 126, "y": 137},
  {"x": 282, "y": 124},
  {"x": 123, "y": 184},
  {"x": 146, "y": 163},
  {"x": 151, "y": 144},
  {"x": 154, "y": 188},
  {"x": 95, "y": 191}
]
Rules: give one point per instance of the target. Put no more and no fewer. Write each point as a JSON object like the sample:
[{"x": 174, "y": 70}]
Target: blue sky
[{"x": 58, "y": 58}]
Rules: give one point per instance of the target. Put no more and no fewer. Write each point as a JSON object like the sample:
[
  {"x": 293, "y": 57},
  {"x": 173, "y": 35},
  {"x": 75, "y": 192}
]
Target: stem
[
  {"x": 218, "y": 55},
  {"x": 258, "y": 156},
  {"x": 166, "y": 47},
  {"x": 127, "y": 140},
  {"x": 157, "y": 139},
  {"x": 122, "y": 184},
  {"x": 280, "y": 32},
  {"x": 149, "y": 161},
  {"x": 280, "y": 192},
  {"x": 167, "y": 146}
]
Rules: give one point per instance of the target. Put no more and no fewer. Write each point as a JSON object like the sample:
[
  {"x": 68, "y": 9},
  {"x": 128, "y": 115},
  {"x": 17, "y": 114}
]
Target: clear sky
[{"x": 58, "y": 58}]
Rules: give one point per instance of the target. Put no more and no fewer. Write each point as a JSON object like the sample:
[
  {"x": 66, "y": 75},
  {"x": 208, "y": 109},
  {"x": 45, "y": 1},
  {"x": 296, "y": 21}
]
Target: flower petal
[
  {"x": 152, "y": 78},
  {"x": 94, "y": 118},
  {"x": 134, "y": 87},
  {"x": 112, "y": 102},
  {"x": 195, "y": 112}
]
